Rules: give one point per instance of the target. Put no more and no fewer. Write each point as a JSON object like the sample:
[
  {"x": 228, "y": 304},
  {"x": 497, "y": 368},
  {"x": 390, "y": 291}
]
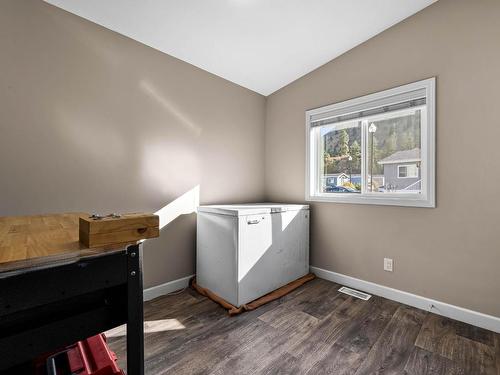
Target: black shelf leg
[{"x": 135, "y": 321}]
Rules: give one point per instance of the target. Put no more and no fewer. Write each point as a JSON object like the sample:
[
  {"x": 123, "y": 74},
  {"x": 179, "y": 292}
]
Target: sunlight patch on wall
[
  {"x": 187, "y": 203},
  {"x": 154, "y": 93},
  {"x": 168, "y": 164}
]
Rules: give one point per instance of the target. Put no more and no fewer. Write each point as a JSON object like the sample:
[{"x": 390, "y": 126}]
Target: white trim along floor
[{"x": 475, "y": 318}]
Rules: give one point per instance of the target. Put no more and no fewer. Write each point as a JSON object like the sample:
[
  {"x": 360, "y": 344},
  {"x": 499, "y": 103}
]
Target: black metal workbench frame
[{"x": 47, "y": 307}]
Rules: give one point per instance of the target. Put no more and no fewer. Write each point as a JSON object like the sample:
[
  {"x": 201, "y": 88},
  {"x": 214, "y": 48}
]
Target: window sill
[{"x": 399, "y": 200}]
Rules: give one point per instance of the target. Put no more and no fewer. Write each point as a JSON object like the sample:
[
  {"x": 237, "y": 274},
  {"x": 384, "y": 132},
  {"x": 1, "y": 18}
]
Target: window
[
  {"x": 376, "y": 149},
  {"x": 408, "y": 171}
]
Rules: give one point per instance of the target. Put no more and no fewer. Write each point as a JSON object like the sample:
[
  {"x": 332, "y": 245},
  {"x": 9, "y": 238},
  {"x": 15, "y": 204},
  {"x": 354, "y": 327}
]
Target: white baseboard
[
  {"x": 162, "y": 289},
  {"x": 475, "y": 318}
]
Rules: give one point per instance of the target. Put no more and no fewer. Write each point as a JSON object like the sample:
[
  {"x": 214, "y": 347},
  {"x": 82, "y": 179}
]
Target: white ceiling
[{"x": 259, "y": 44}]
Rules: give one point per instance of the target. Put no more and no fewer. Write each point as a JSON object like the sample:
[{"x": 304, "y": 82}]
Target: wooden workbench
[
  {"x": 54, "y": 291},
  {"x": 30, "y": 240}
]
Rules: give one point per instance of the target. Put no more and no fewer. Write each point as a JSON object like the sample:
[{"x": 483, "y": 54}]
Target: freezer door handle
[{"x": 254, "y": 221}]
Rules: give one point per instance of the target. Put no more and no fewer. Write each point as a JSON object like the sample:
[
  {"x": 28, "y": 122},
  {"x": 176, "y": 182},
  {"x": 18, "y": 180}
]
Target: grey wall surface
[
  {"x": 391, "y": 173},
  {"x": 450, "y": 253},
  {"x": 93, "y": 121}
]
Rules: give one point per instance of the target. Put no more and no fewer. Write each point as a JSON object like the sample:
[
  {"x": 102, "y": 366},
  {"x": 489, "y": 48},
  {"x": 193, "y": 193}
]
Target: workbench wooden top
[{"x": 28, "y": 241}]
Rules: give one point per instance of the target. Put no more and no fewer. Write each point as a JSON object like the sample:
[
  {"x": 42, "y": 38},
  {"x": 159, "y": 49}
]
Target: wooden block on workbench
[{"x": 111, "y": 230}]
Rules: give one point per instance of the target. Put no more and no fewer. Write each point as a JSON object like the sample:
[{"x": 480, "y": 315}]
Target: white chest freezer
[{"x": 246, "y": 251}]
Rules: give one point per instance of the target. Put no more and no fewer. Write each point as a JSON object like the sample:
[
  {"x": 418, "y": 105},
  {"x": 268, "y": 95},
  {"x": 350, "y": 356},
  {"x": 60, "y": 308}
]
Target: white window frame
[
  {"x": 406, "y": 166},
  {"x": 427, "y": 197}
]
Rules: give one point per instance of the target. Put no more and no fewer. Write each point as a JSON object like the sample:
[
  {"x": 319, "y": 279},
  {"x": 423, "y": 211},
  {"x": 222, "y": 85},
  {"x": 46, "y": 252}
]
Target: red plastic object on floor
[{"x": 88, "y": 357}]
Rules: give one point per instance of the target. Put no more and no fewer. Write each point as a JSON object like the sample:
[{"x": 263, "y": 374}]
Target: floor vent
[{"x": 355, "y": 293}]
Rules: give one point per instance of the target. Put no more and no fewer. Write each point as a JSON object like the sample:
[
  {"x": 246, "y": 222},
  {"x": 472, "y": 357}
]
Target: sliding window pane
[
  {"x": 394, "y": 156},
  {"x": 340, "y": 158}
]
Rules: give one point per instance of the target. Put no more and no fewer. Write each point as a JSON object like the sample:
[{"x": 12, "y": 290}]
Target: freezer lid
[{"x": 251, "y": 209}]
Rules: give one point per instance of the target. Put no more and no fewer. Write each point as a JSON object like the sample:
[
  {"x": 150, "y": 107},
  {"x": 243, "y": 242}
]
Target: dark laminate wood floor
[{"x": 313, "y": 330}]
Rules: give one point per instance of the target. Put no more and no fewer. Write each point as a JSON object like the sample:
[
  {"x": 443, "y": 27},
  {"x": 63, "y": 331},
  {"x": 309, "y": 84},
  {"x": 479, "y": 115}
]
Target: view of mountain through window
[
  {"x": 392, "y": 157},
  {"x": 341, "y": 158}
]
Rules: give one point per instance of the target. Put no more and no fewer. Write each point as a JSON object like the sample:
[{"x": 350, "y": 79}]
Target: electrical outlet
[{"x": 388, "y": 264}]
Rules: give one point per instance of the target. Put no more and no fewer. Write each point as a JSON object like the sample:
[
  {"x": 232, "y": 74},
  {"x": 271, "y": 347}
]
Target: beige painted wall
[
  {"x": 450, "y": 253},
  {"x": 94, "y": 121}
]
